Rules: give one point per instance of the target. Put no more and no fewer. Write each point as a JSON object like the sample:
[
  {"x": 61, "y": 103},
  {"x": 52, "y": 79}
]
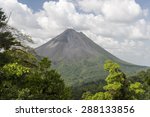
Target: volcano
[
  {"x": 72, "y": 45},
  {"x": 78, "y": 59}
]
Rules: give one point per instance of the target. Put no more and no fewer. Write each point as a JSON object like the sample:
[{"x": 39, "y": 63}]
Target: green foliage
[
  {"x": 97, "y": 96},
  {"x": 32, "y": 83},
  {"x": 144, "y": 78},
  {"x": 4, "y": 59},
  {"x": 6, "y": 38},
  {"x": 14, "y": 69},
  {"x": 136, "y": 90},
  {"x": 24, "y": 94},
  {"x": 44, "y": 64},
  {"x": 8, "y": 90},
  {"x": 87, "y": 96},
  {"x": 46, "y": 83},
  {"x": 102, "y": 96},
  {"x": 12, "y": 79},
  {"x": 117, "y": 86},
  {"x": 2, "y": 18},
  {"x": 111, "y": 66},
  {"x": 93, "y": 87},
  {"x": 21, "y": 57},
  {"x": 116, "y": 80}
]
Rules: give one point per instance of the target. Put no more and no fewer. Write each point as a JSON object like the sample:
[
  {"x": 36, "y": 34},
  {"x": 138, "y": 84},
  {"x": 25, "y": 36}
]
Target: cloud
[
  {"x": 113, "y": 10},
  {"x": 120, "y": 26},
  {"x": 91, "y": 6},
  {"x": 21, "y": 14},
  {"x": 121, "y": 11},
  {"x": 21, "y": 17}
]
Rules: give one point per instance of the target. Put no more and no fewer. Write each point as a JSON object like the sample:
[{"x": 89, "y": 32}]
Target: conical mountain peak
[
  {"x": 71, "y": 45},
  {"x": 68, "y": 35},
  {"x": 78, "y": 58},
  {"x": 70, "y": 30}
]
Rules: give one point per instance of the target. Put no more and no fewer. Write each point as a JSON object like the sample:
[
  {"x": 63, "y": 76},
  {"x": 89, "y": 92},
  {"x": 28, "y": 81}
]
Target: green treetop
[{"x": 117, "y": 86}]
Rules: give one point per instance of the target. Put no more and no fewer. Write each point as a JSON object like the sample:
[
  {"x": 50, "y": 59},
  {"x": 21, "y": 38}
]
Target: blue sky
[
  {"x": 122, "y": 27},
  {"x": 144, "y": 3},
  {"x": 37, "y": 4},
  {"x": 34, "y": 4}
]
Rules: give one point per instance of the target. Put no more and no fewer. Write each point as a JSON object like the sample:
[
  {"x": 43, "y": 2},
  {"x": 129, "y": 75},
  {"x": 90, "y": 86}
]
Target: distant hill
[{"x": 79, "y": 59}]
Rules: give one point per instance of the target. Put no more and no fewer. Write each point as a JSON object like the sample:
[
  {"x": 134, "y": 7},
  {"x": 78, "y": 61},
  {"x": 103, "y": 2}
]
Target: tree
[
  {"x": 136, "y": 90},
  {"x": 144, "y": 78},
  {"x": 45, "y": 83},
  {"x": 97, "y": 96},
  {"x": 22, "y": 76},
  {"x": 2, "y": 18},
  {"x": 117, "y": 86},
  {"x": 116, "y": 80},
  {"x": 22, "y": 57},
  {"x": 41, "y": 82},
  {"x": 12, "y": 79},
  {"x": 6, "y": 38}
]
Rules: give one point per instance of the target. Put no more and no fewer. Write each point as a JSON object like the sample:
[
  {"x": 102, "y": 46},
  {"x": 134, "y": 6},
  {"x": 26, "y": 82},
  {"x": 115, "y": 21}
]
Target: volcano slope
[{"x": 79, "y": 60}]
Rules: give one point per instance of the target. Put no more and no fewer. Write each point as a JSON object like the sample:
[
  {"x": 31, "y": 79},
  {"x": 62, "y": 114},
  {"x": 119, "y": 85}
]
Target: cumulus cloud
[
  {"x": 125, "y": 10},
  {"x": 21, "y": 14},
  {"x": 114, "y": 10},
  {"x": 91, "y": 6},
  {"x": 120, "y": 26}
]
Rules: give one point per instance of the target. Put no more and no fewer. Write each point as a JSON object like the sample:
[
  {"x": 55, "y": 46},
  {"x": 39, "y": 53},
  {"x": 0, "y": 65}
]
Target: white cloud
[
  {"x": 124, "y": 10},
  {"x": 114, "y": 10},
  {"x": 21, "y": 14},
  {"x": 89, "y": 6},
  {"x": 117, "y": 25}
]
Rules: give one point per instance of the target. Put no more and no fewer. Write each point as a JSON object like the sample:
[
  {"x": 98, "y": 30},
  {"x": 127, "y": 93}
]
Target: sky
[{"x": 122, "y": 27}]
